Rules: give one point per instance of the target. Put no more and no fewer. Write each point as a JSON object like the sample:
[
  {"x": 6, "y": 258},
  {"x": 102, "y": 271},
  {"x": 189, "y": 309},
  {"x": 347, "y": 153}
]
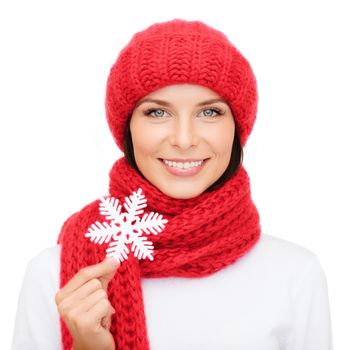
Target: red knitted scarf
[{"x": 203, "y": 235}]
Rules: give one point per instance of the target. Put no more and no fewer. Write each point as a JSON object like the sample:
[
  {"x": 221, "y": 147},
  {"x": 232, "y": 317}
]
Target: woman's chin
[{"x": 181, "y": 191}]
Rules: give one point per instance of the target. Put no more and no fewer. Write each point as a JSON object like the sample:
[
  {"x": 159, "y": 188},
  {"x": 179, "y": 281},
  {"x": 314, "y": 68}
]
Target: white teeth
[{"x": 182, "y": 165}]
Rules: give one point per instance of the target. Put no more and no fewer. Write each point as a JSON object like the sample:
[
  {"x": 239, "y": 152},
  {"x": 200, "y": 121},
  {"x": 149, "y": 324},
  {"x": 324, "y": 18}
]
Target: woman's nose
[{"x": 184, "y": 134}]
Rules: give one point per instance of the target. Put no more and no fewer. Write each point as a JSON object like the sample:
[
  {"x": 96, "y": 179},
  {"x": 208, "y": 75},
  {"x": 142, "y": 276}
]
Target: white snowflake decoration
[{"x": 126, "y": 227}]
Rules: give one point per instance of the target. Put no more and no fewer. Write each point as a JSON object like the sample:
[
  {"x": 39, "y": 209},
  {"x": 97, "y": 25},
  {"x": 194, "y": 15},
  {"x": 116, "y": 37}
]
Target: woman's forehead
[{"x": 182, "y": 92}]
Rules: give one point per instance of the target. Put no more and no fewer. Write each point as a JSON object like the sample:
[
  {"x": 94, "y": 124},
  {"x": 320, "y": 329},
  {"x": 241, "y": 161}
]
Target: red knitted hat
[{"x": 175, "y": 52}]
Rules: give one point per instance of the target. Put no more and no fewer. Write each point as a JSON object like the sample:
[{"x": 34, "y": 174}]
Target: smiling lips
[{"x": 180, "y": 167}]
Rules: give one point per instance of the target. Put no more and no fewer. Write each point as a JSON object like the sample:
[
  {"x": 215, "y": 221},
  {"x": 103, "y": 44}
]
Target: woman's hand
[{"x": 83, "y": 304}]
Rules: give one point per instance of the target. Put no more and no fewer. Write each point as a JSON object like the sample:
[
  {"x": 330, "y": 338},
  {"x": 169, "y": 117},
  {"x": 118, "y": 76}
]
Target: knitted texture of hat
[{"x": 178, "y": 52}]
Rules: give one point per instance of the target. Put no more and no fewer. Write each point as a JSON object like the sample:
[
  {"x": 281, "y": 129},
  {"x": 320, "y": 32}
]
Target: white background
[{"x": 56, "y": 148}]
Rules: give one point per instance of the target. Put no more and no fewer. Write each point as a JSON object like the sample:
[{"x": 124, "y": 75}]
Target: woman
[{"x": 181, "y": 102}]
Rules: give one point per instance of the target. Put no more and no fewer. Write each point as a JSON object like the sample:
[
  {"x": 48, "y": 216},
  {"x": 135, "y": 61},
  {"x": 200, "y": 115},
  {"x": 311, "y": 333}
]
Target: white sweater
[{"x": 275, "y": 297}]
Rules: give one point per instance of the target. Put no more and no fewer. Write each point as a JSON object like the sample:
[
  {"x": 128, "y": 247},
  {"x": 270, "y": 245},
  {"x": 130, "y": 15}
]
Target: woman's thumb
[{"x": 112, "y": 265}]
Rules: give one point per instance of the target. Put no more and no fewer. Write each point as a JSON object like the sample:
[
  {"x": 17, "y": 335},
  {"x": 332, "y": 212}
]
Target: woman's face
[{"x": 179, "y": 124}]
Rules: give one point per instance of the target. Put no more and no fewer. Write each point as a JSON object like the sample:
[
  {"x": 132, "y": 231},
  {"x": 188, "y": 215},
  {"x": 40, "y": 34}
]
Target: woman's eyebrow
[{"x": 168, "y": 104}]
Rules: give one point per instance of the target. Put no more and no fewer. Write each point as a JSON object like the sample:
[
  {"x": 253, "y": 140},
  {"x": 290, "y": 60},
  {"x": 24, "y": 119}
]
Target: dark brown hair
[{"x": 234, "y": 164}]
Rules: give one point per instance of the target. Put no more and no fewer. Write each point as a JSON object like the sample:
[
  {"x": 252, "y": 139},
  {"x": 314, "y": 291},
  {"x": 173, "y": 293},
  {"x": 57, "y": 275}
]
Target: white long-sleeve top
[{"x": 275, "y": 297}]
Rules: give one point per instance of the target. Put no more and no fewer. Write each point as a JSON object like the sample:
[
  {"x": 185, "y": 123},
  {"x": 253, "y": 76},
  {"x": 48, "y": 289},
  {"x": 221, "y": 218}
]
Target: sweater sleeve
[
  {"x": 311, "y": 310},
  {"x": 37, "y": 325}
]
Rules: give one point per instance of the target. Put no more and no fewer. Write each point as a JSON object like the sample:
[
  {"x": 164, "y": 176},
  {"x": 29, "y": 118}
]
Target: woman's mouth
[{"x": 184, "y": 168}]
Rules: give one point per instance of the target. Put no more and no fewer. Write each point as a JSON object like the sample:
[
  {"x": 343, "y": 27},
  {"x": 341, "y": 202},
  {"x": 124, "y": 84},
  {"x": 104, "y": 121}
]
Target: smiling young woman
[{"x": 181, "y": 101}]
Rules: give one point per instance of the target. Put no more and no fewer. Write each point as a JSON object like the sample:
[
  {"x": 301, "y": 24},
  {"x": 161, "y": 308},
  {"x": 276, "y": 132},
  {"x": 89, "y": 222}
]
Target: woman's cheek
[
  {"x": 151, "y": 143},
  {"x": 221, "y": 139}
]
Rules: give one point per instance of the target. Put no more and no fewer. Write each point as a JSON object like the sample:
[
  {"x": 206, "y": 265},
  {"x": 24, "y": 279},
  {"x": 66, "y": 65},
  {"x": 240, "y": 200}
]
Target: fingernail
[
  {"x": 113, "y": 310},
  {"x": 113, "y": 261}
]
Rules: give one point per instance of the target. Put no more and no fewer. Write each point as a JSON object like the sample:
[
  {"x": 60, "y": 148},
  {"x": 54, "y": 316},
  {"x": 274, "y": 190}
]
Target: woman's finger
[
  {"x": 89, "y": 302},
  {"x": 81, "y": 293},
  {"x": 99, "y": 311},
  {"x": 106, "y": 267},
  {"x": 106, "y": 321}
]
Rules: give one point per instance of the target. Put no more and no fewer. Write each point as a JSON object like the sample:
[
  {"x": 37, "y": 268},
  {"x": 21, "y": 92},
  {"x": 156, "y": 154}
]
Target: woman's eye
[
  {"x": 209, "y": 112},
  {"x": 158, "y": 113}
]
